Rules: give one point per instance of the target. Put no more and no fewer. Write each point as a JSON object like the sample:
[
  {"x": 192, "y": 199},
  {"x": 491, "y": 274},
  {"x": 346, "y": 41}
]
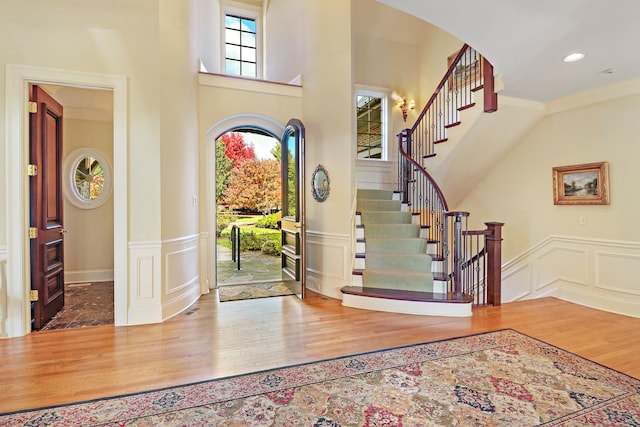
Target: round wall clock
[{"x": 320, "y": 184}]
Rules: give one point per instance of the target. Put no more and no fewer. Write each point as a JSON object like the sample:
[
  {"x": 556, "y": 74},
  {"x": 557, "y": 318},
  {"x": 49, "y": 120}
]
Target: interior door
[
  {"x": 293, "y": 203},
  {"x": 46, "y": 231}
]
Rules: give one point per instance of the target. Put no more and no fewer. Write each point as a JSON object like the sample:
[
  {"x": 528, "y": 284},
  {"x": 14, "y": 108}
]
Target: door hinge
[
  {"x": 33, "y": 107},
  {"x": 33, "y": 232},
  {"x": 33, "y": 295},
  {"x": 32, "y": 170}
]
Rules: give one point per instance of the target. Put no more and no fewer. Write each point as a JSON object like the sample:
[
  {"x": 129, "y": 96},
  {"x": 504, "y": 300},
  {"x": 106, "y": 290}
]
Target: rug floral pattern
[{"x": 497, "y": 378}]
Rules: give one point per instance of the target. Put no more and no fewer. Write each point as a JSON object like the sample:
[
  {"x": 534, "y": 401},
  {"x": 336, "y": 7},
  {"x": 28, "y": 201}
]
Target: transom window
[
  {"x": 371, "y": 125},
  {"x": 241, "y": 47}
]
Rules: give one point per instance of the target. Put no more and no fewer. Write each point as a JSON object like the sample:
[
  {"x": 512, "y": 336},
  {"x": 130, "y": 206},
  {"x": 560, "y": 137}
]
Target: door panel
[
  {"x": 293, "y": 202},
  {"x": 47, "y": 248}
]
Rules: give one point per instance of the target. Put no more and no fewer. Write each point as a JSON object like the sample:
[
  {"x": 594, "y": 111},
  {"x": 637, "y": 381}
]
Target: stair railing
[
  {"x": 475, "y": 262},
  {"x": 468, "y": 267}
]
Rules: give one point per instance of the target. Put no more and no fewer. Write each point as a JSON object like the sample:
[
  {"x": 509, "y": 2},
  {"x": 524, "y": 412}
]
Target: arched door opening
[{"x": 248, "y": 207}]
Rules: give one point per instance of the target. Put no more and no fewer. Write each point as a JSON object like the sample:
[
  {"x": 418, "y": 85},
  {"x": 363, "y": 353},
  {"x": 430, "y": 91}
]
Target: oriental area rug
[
  {"x": 500, "y": 378},
  {"x": 252, "y": 291}
]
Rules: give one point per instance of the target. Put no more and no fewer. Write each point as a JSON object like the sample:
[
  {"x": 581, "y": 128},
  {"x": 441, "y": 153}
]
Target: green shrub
[
  {"x": 250, "y": 242},
  {"x": 272, "y": 246},
  {"x": 269, "y": 221},
  {"x": 223, "y": 219}
]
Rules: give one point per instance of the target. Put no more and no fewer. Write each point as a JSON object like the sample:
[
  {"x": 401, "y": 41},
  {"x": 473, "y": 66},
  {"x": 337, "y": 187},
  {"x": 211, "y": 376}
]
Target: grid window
[
  {"x": 370, "y": 127},
  {"x": 240, "y": 46}
]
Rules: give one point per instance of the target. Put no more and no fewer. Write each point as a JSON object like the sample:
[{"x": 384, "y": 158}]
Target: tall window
[
  {"x": 241, "y": 47},
  {"x": 371, "y": 125}
]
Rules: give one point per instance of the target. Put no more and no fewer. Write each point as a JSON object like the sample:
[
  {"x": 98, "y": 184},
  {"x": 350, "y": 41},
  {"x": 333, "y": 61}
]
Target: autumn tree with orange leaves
[{"x": 254, "y": 185}]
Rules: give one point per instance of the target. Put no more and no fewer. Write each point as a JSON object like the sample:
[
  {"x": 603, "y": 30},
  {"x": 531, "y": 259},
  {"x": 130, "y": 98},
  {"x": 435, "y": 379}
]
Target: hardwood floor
[{"x": 215, "y": 339}]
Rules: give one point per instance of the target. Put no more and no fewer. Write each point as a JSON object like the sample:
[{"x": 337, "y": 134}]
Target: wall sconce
[{"x": 404, "y": 105}]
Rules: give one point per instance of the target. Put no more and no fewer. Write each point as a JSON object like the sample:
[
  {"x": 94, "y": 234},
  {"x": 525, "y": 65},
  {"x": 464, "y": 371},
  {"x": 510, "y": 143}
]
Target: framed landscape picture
[
  {"x": 586, "y": 184},
  {"x": 468, "y": 70}
]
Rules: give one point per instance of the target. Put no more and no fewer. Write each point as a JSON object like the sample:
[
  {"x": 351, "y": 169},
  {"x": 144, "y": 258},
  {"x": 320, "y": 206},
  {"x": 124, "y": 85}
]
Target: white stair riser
[
  {"x": 407, "y": 307},
  {"x": 359, "y": 264},
  {"x": 432, "y": 248},
  {"x": 439, "y": 286},
  {"x": 359, "y": 233},
  {"x": 356, "y": 280}
]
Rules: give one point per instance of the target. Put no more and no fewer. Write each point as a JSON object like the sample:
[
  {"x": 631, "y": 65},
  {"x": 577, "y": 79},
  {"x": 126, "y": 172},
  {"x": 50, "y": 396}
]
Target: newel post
[
  {"x": 404, "y": 138},
  {"x": 494, "y": 262},
  {"x": 490, "y": 95}
]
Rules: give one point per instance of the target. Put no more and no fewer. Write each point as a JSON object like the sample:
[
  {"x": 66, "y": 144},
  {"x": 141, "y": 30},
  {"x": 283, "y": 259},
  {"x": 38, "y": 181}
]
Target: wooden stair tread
[{"x": 449, "y": 298}]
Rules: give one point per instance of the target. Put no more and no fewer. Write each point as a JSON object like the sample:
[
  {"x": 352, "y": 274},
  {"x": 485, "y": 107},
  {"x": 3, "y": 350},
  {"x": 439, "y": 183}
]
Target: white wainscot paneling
[
  {"x": 3, "y": 292},
  {"x": 618, "y": 272},
  {"x": 328, "y": 257},
  {"x": 145, "y": 302},
  {"x": 562, "y": 263},
  {"x": 516, "y": 283},
  {"x": 181, "y": 274},
  {"x": 598, "y": 273}
]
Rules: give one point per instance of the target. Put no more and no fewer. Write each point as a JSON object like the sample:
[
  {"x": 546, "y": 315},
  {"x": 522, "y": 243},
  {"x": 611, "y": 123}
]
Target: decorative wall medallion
[{"x": 320, "y": 184}]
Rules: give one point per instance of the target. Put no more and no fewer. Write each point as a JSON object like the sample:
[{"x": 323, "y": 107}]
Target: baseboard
[{"x": 85, "y": 276}]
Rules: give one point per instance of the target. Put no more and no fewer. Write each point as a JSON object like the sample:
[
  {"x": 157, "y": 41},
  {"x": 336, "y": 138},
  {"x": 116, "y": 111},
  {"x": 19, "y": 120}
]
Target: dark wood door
[
  {"x": 46, "y": 232},
  {"x": 293, "y": 204}
]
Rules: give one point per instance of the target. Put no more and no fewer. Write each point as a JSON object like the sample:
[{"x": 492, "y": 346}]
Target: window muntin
[
  {"x": 371, "y": 125},
  {"x": 241, "y": 46}
]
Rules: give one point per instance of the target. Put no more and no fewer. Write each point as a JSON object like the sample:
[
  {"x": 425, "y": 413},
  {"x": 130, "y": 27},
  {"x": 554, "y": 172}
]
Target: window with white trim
[
  {"x": 371, "y": 125},
  {"x": 241, "y": 40}
]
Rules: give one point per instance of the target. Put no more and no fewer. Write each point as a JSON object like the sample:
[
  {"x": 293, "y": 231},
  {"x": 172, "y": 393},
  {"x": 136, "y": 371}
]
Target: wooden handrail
[
  {"x": 422, "y": 194},
  {"x": 424, "y": 172},
  {"x": 438, "y": 89}
]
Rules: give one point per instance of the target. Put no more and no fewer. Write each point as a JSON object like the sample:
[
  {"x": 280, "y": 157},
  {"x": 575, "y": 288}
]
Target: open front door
[
  {"x": 293, "y": 219},
  {"x": 46, "y": 232}
]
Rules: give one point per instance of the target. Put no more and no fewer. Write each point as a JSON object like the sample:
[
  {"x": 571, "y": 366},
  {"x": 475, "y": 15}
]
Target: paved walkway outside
[{"x": 254, "y": 267}]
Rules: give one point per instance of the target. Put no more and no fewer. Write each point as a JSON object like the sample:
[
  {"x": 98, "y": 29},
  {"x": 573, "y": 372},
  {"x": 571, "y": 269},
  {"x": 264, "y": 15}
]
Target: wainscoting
[
  {"x": 328, "y": 262},
  {"x": 3, "y": 291},
  {"x": 164, "y": 278},
  {"x": 598, "y": 273}
]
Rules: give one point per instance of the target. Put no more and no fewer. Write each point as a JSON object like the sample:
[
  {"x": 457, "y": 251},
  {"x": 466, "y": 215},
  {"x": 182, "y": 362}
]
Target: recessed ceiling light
[{"x": 573, "y": 57}]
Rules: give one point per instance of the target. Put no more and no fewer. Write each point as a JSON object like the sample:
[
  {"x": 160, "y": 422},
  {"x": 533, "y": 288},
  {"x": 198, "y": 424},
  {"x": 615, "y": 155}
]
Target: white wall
[{"x": 518, "y": 191}]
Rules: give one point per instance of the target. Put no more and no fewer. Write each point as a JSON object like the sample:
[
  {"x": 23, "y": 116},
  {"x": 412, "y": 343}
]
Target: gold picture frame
[
  {"x": 585, "y": 184},
  {"x": 468, "y": 70}
]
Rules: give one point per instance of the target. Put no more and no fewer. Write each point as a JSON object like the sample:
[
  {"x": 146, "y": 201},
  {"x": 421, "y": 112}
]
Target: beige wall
[
  {"x": 178, "y": 118},
  {"x": 118, "y": 37},
  {"x": 88, "y": 244},
  {"x": 518, "y": 190}
]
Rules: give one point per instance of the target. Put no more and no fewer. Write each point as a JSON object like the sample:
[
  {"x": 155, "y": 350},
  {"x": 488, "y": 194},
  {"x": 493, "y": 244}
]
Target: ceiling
[
  {"x": 81, "y": 103},
  {"x": 525, "y": 40}
]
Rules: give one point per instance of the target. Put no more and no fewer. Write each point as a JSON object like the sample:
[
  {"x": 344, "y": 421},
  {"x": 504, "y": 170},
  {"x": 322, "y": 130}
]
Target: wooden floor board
[{"x": 230, "y": 338}]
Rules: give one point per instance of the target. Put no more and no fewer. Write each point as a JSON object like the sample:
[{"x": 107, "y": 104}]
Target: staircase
[
  {"x": 413, "y": 255},
  {"x": 395, "y": 266}
]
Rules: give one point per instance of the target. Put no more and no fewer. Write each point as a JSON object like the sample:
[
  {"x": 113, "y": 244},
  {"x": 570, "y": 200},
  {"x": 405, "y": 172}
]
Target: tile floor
[{"x": 86, "y": 304}]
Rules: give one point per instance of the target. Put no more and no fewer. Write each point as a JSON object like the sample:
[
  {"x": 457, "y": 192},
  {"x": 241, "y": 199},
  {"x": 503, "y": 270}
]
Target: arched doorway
[
  {"x": 290, "y": 136},
  {"x": 248, "y": 207}
]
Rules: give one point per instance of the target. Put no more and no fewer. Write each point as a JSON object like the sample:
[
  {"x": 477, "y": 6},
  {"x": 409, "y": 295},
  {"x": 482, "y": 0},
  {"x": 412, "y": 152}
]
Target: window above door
[{"x": 241, "y": 39}]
